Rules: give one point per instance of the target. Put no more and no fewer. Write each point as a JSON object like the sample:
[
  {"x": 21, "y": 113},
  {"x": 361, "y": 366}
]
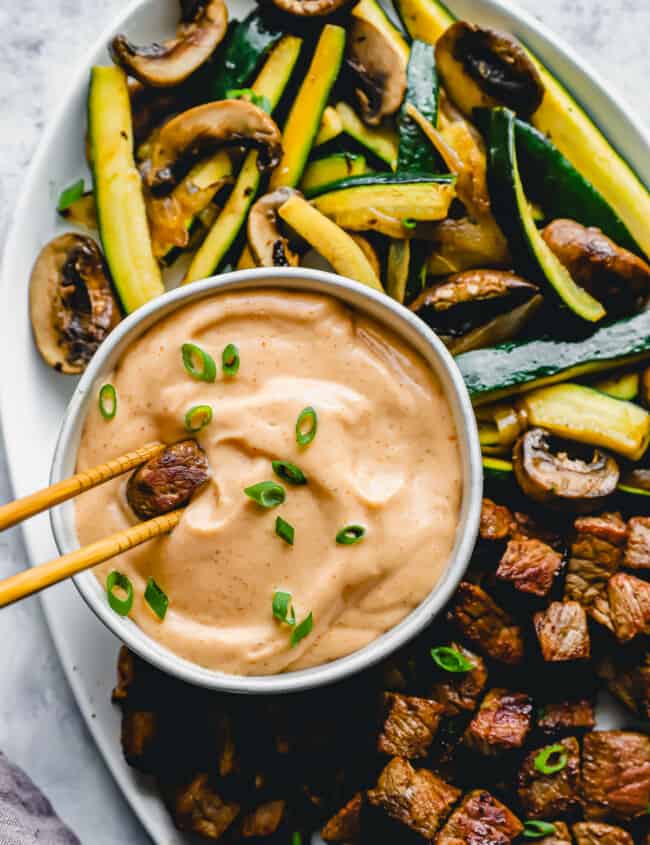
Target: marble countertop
[{"x": 40, "y": 727}]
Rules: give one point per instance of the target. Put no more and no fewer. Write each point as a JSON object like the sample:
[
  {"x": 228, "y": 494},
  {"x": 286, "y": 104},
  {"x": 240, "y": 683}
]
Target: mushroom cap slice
[
  {"x": 201, "y": 130},
  {"x": 483, "y": 67},
  {"x": 202, "y": 27},
  {"x": 478, "y": 308},
  {"x": 380, "y": 70},
  {"x": 269, "y": 247},
  {"x": 557, "y": 479},
  {"x": 309, "y": 8},
  {"x": 72, "y": 304}
]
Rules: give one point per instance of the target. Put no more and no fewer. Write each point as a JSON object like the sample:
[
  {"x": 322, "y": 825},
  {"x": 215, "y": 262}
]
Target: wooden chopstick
[
  {"x": 21, "y": 509},
  {"x": 33, "y": 580}
]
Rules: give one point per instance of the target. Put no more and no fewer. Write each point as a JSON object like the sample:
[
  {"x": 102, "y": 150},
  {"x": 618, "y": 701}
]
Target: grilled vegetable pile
[{"x": 481, "y": 731}]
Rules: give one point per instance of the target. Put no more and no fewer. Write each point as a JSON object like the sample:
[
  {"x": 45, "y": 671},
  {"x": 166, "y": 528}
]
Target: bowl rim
[{"x": 377, "y": 305}]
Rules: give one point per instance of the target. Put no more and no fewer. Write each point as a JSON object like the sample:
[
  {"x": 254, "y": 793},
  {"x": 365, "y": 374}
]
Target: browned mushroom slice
[
  {"x": 558, "y": 478},
  {"x": 199, "y": 131},
  {"x": 483, "y": 67},
  {"x": 150, "y": 107},
  {"x": 270, "y": 248},
  {"x": 478, "y": 308},
  {"x": 379, "y": 69},
  {"x": 616, "y": 277},
  {"x": 201, "y": 29},
  {"x": 168, "y": 481},
  {"x": 72, "y": 305},
  {"x": 309, "y": 8}
]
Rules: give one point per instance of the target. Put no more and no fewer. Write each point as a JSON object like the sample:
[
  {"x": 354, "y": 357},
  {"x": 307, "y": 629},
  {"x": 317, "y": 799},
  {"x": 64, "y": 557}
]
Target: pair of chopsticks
[{"x": 46, "y": 574}]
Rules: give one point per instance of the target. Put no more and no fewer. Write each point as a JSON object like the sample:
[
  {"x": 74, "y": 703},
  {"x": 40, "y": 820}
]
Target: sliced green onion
[
  {"x": 296, "y": 839},
  {"x": 259, "y": 100},
  {"x": 156, "y": 599},
  {"x": 197, "y": 418},
  {"x": 301, "y": 631},
  {"x": 284, "y": 530},
  {"x": 119, "y": 605},
  {"x": 450, "y": 659},
  {"x": 107, "y": 401},
  {"x": 70, "y": 195},
  {"x": 536, "y": 830},
  {"x": 409, "y": 223},
  {"x": 230, "y": 360},
  {"x": 306, "y": 426},
  {"x": 350, "y": 535},
  {"x": 551, "y": 759},
  {"x": 198, "y": 363},
  {"x": 283, "y": 609},
  {"x": 268, "y": 494},
  {"x": 289, "y": 472}
]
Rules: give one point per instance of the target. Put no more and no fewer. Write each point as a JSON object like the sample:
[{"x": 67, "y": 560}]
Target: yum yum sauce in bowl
[{"x": 344, "y": 484}]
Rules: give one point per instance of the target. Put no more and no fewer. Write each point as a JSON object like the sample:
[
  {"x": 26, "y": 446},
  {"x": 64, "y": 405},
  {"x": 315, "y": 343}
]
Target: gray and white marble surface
[{"x": 40, "y": 727}]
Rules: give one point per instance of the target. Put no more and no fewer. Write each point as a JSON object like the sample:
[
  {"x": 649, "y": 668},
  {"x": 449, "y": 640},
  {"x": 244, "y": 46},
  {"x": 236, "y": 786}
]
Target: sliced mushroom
[
  {"x": 72, "y": 304},
  {"x": 199, "y": 131},
  {"x": 168, "y": 481},
  {"x": 616, "y": 277},
  {"x": 380, "y": 70},
  {"x": 487, "y": 68},
  {"x": 309, "y": 8},
  {"x": 201, "y": 29},
  {"x": 639, "y": 478},
  {"x": 478, "y": 308},
  {"x": 559, "y": 478},
  {"x": 270, "y": 248},
  {"x": 150, "y": 107}
]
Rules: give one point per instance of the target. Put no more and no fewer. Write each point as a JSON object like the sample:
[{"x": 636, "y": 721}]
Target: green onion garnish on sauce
[
  {"x": 197, "y": 418},
  {"x": 284, "y": 530},
  {"x": 283, "y": 609},
  {"x": 450, "y": 659},
  {"x": 537, "y": 829},
  {"x": 268, "y": 494},
  {"x": 118, "y": 604},
  {"x": 350, "y": 535},
  {"x": 107, "y": 401},
  {"x": 551, "y": 759},
  {"x": 156, "y": 599},
  {"x": 70, "y": 195},
  {"x": 301, "y": 631},
  {"x": 198, "y": 363},
  {"x": 230, "y": 360},
  {"x": 288, "y": 472},
  {"x": 306, "y": 426}
]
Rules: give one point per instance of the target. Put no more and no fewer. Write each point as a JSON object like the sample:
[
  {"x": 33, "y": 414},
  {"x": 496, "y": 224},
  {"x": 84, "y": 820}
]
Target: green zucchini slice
[
  {"x": 491, "y": 374},
  {"x": 624, "y": 386},
  {"x": 332, "y": 168},
  {"x": 380, "y": 180},
  {"x": 372, "y": 12},
  {"x": 121, "y": 213},
  {"x": 247, "y": 44},
  {"x": 416, "y": 154},
  {"x": 531, "y": 254},
  {"x": 381, "y": 141},
  {"x": 305, "y": 116},
  {"x": 406, "y": 267},
  {"x": 497, "y": 469}
]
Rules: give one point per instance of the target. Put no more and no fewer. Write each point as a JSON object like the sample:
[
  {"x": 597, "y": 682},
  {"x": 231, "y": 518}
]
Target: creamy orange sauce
[{"x": 385, "y": 456}]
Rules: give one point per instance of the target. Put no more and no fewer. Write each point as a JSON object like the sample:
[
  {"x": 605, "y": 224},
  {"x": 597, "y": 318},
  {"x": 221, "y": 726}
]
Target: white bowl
[{"x": 376, "y": 305}]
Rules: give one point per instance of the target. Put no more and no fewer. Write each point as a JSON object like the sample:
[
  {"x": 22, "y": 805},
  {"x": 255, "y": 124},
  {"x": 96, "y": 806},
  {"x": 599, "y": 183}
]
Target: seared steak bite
[
  {"x": 459, "y": 691},
  {"x": 478, "y": 820},
  {"x": 615, "y": 774},
  {"x": 593, "y": 833},
  {"x": 525, "y": 527},
  {"x": 560, "y": 837},
  {"x": 596, "y": 554},
  {"x": 483, "y": 622},
  {"x": 562, "y": 632},
  {"x": 629, "y": 601},
  {"x": 409, "y": 725},
  {"x": 544, "y": 796},
  {"x": 530, "y": 565},
  {"x": 566, "y": 716},
  {"x": 198, "y": 808},
  {"x": 264, "y": 820},
  {"x": 126, "y": 672},
  {"x": 140, "y": 735},
  {"x": 168, "y": 481},
  {"x": 345, "y": 826},
  {"x": 629, "y": 680},
  {"x": 496, "y": 521},
  {"x": 419, "y": 800},
  {"x": 637, "y": 551},
  {"x": 501, "y": 724}
]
